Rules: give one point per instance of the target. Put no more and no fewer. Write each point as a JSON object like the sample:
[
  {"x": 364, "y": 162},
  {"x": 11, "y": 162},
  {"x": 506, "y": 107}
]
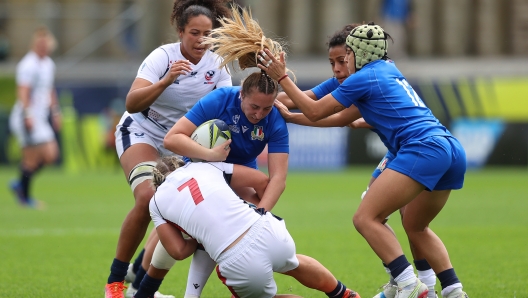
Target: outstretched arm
[
  {"x": 314, "y": 110},
  {"x": 341, "y": 119},
  {"x": 284, "y": 99}
]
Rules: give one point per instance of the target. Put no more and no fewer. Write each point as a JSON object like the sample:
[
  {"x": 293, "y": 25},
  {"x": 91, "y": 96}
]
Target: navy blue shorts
[{"x": 437, "y": 162}]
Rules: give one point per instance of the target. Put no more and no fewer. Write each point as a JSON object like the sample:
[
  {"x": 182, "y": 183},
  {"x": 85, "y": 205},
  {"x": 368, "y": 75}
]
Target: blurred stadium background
[{"x": 467, "y": 59}]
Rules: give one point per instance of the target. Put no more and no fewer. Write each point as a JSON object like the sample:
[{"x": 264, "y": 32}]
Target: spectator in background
[
  {"x": 395, "y": 16},
  {"x": 29, "y": 119}
]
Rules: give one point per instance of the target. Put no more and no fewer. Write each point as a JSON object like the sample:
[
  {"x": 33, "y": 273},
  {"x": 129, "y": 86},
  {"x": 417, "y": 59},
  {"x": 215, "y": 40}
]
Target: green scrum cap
[{"x": 369, "y": 43}]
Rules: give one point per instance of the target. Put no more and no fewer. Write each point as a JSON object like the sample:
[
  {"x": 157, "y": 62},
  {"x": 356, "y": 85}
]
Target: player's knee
[
  {"x": 359, "y": 221},
  {"x": 143, "y": 193}
]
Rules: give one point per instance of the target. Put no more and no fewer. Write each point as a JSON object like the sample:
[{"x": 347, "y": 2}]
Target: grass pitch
[{"x": 66, "y": 250}]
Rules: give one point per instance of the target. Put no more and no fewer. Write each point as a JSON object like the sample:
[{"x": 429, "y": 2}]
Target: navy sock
[
  {"x": 137, "y": 261},
  {"x": 338, "y": 291},
  {"x": 422, "y": 265},
  {"x": 25, "y": 181},
  {"x": 397, "y": 266},
  {"x": 447, "y": 277},
  {"x": 148, "y": 287},
  {"x": 139, "y": 277},
  {"x": 118, "y": 271}
]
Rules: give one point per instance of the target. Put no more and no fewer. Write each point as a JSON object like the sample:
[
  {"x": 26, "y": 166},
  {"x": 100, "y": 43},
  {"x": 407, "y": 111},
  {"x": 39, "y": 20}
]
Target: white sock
[
  {"x": 201, "y": 267},
  {"x": 428, "y": 277},
  {"x": 407, "y": 278},
  {"x": 447, "y": 290},
  {"x": 391, "y": 280}
]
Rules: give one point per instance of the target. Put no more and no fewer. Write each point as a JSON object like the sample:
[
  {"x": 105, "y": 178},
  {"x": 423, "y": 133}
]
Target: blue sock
[
  {"x": 137, "y": 261},
  {"x": 397, "y": 266},
  {"x": 338, "y": 291},
  {"x": 139, "y": 277},
  {"x": 422, "y": 265},
  {"x": 447, "y": 277},
  {"x": 148, "y": 287},
  {"x": 118, "y": 271}
]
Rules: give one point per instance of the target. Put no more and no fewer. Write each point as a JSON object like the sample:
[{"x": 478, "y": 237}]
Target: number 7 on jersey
[{"x": 194, "y": 189}]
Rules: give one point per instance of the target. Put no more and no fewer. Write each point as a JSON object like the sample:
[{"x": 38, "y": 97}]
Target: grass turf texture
[{"x": 66, "y": 250}]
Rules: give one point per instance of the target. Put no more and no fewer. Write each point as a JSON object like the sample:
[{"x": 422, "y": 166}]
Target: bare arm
[
  {"x": 23, "y": 93},
  {"x": 178, "y": 140},
  {"x": 360, "y": 123},
  {"x": 284, "y": 99},
  {"x": 278, "y": 169},
  {"x": 314, "y": 110},
  {"x": 248, "y": 177},
  {"x": 143, "y": 93},
  {"x": 172, "y": 239},
  {"x": 341, "y": 119}
]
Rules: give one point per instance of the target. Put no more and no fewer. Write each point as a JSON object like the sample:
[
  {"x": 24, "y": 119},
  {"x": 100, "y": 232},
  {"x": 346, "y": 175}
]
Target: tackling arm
[{"x": 172, "y": 239}]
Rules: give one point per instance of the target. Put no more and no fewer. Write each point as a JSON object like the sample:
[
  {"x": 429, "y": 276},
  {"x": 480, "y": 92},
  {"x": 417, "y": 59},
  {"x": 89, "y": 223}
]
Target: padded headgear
[{"x": 369, "y": 43}]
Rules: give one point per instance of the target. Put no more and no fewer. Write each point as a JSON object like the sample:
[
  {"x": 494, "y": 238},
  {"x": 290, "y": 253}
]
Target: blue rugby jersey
[
  {"x": 249, "y": 139},
  {"x": 389, "y": 104}
]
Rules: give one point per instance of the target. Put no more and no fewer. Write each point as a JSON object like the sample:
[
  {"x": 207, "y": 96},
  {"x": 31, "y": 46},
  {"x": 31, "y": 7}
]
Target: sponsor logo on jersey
[
  {"x": 236, "y": 118},
  {"x": 177, "y": 82},
  {"x": 383, "y": 164},
  {"x": 196, "y": 286},
  {"x": 257, "y": 133},
  {"x": 193, "y": 74},
  {"x": 143, "y": 66},
  {"x": 137, "y": 134},
  {"x": 234, "y": 128},
  {"x": 209, "y": 74},
  {"x": 244, "y": 128}
]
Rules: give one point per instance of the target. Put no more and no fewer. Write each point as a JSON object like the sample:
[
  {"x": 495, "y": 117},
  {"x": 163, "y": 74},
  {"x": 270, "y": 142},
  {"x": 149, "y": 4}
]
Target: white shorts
[
  {"x": 129, "y": 132},
  {"x": 247, "y": 268},
  {"x": 41, "y": 133}
]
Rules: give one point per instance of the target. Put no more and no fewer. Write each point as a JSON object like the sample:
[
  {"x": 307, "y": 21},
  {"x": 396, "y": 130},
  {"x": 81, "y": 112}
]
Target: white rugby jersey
[
  {"x": 180, "y": 96},
  {"x": 197, "y": 199},
  {"x": 37, "y": 74}
]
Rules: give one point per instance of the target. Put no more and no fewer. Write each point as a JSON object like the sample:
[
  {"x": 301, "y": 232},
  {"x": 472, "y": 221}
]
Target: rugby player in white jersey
[
  {"x": 248, "y": 244},
  {"x": 168, "y": 83},
  {"x": 29, "y": 119}
]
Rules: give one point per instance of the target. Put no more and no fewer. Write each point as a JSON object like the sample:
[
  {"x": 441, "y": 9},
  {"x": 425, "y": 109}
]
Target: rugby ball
[{"x": 211, "y": 134}]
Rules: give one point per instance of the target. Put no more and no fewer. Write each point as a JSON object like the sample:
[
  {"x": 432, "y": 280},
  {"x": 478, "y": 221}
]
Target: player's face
[
  {"x": 42, "y": 46},
  {"x": 336, "y": 55},
  {"x": 192, "y": 35},
  {"x": 350, "y": 60},
  {"x": 256, "y": 105}
]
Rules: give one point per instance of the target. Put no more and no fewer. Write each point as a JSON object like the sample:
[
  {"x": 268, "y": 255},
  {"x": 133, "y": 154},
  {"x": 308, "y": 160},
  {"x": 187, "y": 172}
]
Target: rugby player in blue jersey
[
  {"x": 336, "y": 56},
  {"x": 427, "y": 156}
]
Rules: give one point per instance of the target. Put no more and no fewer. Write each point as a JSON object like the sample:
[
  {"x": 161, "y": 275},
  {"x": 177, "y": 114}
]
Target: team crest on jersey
[
  {"x": 234, "y": 128},
  {"x": 257, "y": 133},
  {"x": 209, "y": 74},
  {"x": 383, "y": 164},
  {"x": 236, "y": 118}
]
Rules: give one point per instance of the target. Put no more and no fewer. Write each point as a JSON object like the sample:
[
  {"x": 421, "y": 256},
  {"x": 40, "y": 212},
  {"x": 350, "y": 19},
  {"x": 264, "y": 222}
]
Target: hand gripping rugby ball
[{"x": 211, "y": 134}]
